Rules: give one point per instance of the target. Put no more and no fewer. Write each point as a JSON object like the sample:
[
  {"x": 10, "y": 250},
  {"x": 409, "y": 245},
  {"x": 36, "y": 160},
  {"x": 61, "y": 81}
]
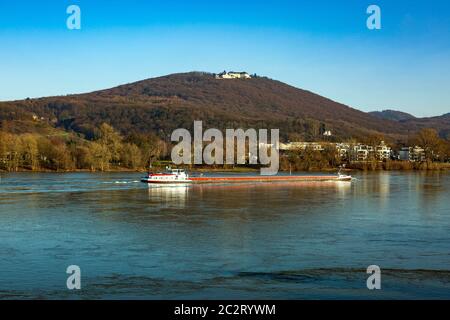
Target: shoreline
[{"x": 439, "y": 168}]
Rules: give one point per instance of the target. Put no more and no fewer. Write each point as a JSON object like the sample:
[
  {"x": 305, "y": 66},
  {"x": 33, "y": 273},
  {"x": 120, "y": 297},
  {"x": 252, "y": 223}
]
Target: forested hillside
[{"x": 160, "y": 105}]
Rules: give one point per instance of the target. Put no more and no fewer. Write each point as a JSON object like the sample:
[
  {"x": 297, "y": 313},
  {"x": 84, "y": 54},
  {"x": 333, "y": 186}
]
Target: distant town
[
  {"x": 425, "y": 151},
  {"x": 360, "y": 151}
]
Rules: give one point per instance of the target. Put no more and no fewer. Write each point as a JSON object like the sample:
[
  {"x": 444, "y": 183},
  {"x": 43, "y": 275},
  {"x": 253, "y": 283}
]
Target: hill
[
  {"x": 440, "y": 123},
  {"x": 160, "y": 105},
  {"x": 392, "y": 115}
]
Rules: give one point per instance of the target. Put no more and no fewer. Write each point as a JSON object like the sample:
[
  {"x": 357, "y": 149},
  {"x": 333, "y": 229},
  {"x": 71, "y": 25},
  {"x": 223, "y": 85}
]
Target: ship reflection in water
[
  {"x": 169, "y": 195},
  {"x": 176, "y": 195}
]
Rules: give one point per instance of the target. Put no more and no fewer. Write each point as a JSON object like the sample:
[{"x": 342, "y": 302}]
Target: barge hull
[{"x": 267, "y": 179}]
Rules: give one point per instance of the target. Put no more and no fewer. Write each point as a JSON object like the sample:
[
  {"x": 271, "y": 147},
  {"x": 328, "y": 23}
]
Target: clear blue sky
[{"x": 322, "y": 46}]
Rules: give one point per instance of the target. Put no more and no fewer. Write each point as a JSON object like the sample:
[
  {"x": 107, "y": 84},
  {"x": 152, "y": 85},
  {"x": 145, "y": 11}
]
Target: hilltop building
[{"x": 233, "y": 75}]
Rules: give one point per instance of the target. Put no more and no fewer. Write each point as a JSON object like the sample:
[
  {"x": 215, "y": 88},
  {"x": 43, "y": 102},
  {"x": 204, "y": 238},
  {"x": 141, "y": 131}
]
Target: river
[{"x": 240, "y": 241}]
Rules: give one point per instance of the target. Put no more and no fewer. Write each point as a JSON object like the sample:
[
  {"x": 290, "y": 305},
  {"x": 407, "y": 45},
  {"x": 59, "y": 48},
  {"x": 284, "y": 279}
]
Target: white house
[
  {"x": 343, "y": 150},
  {"x": 361, "y": 152},
  {"x": 383, "y": 152}
]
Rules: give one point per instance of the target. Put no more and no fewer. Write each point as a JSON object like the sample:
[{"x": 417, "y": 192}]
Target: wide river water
[{"x": 277, "y": 241}]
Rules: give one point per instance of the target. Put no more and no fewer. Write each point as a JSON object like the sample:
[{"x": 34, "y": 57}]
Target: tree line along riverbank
[{"x": 110, "y": 151}]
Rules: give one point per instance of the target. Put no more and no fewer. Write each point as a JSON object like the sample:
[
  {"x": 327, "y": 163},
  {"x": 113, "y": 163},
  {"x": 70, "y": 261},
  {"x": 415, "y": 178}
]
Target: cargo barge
[{"x": 180, "y": 176}]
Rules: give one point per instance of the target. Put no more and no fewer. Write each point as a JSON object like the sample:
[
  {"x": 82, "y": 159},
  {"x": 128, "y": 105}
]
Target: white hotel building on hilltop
[{"x": 233, "y": 75}]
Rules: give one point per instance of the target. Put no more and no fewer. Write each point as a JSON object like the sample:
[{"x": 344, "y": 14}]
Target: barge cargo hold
[
  {"x": 180, "y": 176},
  {"x": 269, "y": 179}
]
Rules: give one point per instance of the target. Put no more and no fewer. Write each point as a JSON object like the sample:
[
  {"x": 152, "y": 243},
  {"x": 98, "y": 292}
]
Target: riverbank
[{"x": 356, "y": 166}]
